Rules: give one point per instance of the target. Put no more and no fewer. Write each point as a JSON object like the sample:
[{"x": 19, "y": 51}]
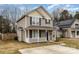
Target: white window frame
[
  {"x": 35, "y": 20},
  {"x": 76, "y": 25},
  {"x": 77, "y": 33},
  {"x": 34, "y": 33}
]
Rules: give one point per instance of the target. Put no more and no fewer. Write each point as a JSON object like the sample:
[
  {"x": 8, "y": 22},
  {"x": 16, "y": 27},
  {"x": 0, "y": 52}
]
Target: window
[
  {"x": 33, "y": 33},
  {"x": 41, "y": 33},
  {"x": 34, "y": 20},
  {"x": 47, "y": 21},
  {"x": 53, "y": 36},
  {"x": 77, "y": 25},
  {"x": 77, "y": 32}
]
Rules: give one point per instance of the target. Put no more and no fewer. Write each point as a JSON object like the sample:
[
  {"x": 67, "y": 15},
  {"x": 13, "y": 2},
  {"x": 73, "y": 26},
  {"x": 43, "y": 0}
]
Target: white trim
[
  {"x": 25, "y": 35},
  {"x": 28, "y": 35},
  {"x": 38, "y": 35}
]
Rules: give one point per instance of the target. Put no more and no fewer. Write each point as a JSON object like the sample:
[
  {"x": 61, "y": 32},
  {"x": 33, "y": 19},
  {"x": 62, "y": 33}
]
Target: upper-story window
[
  {"x": 77, "y": 25},
  {"x": 47, "y": 21},
  {"x": 77, "y": 32},
  {"x": 34, "y": 20}
]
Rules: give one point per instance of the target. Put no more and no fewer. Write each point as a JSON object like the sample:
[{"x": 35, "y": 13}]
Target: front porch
[
  {"x": 72, "y": 33},
  {"x": 75, "y": 33},
  {"x": 38, "y": 35}
]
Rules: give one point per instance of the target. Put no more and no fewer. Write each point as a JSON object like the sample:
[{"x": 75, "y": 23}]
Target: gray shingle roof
[{"x": 65, "y": 23}]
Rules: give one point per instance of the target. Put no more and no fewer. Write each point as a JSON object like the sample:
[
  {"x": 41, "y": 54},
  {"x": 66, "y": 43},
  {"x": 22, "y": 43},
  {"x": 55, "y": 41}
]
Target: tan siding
[
  {"x": 43, "y": 13},
  {"x": 34, "y": 13},
  {"x": 25, "y": 22},
  {"x": 21, "y": 23}
]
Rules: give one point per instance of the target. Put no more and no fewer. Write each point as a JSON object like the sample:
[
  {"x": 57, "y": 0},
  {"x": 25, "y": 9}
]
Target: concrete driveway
[{"x": 51, "y": 49}]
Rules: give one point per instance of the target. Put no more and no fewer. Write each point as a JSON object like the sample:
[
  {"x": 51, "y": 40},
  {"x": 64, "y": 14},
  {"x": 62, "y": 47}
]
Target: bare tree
[{"x": 13, "y": 14}]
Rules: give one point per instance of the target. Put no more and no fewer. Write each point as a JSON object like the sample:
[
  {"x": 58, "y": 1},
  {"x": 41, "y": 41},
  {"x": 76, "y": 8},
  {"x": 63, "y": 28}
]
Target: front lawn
[
  {"x": 12, "y": 46},
  {"x": 74, "y": 43}
]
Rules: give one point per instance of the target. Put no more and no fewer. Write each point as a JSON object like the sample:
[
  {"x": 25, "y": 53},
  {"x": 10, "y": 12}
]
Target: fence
[{"x": 8, "y": 36}]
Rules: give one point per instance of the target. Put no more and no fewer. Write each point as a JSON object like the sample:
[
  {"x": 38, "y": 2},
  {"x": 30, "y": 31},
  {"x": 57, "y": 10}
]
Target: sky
[{"x": 48, "y": 7}]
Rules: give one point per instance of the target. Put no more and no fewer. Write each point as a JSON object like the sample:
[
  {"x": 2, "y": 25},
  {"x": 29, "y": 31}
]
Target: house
[
  {"x": 68, "y": 28},
  {"x": 35, "y": 26}
]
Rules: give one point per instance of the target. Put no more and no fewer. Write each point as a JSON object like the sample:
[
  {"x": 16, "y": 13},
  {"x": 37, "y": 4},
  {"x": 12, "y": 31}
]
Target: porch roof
[{"x": 39, "y": 27}]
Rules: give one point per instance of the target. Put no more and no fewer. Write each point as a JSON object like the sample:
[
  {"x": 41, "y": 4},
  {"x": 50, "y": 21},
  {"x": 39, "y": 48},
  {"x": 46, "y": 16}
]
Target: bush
[
  {"x": 16, "y": 38},
  {"x": 57, "y": 40},
  {"x": 61, "y": 36}
]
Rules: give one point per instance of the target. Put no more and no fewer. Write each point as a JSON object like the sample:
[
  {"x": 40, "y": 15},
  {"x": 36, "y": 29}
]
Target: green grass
[
  {"x": 74, "y": 43},
  {"x": 12, "y": 46}
]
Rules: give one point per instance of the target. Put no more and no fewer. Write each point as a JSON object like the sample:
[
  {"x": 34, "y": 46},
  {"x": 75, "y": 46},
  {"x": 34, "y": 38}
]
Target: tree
[
  {"x": 70, "y": 16},
  {"x": 64, "y": 15},
  {"x": 12, "y": 15},
  {"x": 76, "y": 15},
  {"x": 4, "y": 25}
]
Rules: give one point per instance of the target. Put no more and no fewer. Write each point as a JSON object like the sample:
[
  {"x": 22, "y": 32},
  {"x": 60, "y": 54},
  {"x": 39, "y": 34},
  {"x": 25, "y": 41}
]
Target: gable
[
  {"x": 44, "y": 12},
  {"x": 75, "y": 22},
  {"x": 40, "y": 12},
  {"x": 34, "y": 13}
]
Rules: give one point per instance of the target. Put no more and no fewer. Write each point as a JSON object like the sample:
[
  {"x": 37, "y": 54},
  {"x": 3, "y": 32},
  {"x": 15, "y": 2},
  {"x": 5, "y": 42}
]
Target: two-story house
[
  {"x": 68, "y": 28},
  {"x": 35, "y": 26}
]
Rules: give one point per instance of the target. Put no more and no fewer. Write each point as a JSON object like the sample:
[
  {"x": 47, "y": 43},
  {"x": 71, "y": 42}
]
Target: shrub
[
  {"x": 16, "y": 38},
  {"x": 57, "y": 40}
]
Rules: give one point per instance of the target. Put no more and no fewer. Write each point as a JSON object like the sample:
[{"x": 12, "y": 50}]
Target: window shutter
[
  {"x": 46, "y": 21},
  {"x": 49, "y": 21},
  {"x": 39, "y": 21},
  {"x": 30, "y": 33},
  {"x": 30, "y": 20}
]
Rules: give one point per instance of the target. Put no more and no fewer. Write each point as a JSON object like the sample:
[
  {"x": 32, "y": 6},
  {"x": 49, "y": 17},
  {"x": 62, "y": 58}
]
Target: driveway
[{"x": 51, "y": 49}]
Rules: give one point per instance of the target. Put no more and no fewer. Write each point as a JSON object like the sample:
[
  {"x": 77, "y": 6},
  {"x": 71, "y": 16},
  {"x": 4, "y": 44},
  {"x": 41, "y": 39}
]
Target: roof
[
  {"x": 40, "y": 27},
  {"x": 66, "y": 23},
  {"x": 32, "y": 11}
]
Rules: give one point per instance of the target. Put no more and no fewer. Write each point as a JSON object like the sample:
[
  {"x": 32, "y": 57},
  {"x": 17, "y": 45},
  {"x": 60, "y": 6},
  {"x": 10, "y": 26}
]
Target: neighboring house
[
  {"x": 68, "y": 28},
  {"x": 35, "y": 26}
]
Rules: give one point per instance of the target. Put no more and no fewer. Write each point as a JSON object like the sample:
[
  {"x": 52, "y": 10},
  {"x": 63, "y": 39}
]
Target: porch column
[
  {"x": 46, "y": 34},
  {"x": 38, "y": 36},
  {"x": 70, "y": 33},
  {"x": 75, "y": 33},
  {"x": 28, "y": 33},
  {"x": 25, "y": 35},
  {"x": 28, "y": 36}
]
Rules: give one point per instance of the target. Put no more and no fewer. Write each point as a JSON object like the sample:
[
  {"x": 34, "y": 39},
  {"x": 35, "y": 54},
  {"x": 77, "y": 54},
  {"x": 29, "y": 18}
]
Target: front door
[{"x": 47, "y": 36}]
